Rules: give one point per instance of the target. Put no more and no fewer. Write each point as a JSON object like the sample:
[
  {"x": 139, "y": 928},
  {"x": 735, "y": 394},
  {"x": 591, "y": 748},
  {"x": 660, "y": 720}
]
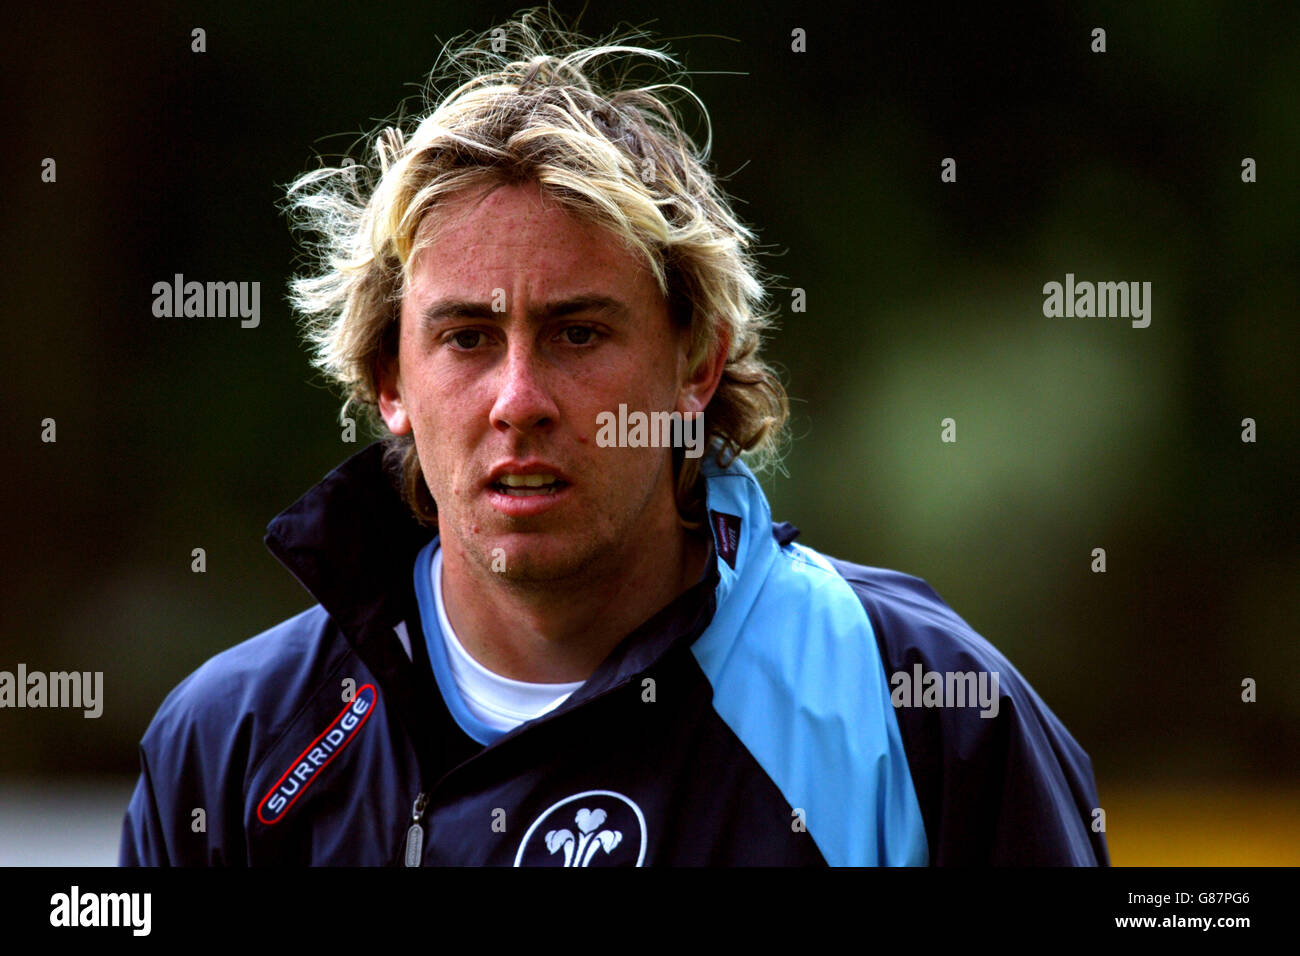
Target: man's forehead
[
  {"x": 502, "y": 211},
  {"x": 478, "y": 243}
]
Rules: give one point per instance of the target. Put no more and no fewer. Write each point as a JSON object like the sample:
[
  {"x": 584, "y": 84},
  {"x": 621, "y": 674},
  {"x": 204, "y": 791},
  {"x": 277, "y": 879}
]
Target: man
[{"x": 552, "y": 629}]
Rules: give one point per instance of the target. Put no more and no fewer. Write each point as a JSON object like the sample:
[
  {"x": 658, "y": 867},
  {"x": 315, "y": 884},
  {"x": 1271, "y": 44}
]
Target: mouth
[
  {"x": 528, "y": 486},
  {"x": 527, "y": 489}
]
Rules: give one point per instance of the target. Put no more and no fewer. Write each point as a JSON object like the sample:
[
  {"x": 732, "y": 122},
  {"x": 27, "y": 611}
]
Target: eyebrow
[{"x": 444, "y": 309}]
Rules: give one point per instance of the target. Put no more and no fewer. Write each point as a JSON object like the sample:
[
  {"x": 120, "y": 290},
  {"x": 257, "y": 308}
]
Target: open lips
[{"x": 522, "y": 486}]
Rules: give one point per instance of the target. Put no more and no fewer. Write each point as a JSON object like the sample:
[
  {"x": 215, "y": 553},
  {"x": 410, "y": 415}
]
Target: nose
[{"x": 523, "y": 401}]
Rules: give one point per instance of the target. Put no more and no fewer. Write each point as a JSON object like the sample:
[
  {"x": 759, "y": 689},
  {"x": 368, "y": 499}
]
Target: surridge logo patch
[
  {"x": 726, "y": 536},
  {"x": 306, "y": 767}
]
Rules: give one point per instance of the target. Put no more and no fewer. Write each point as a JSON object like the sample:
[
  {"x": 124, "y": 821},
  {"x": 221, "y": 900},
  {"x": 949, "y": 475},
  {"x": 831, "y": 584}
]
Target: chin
[{"x": 530, "y": 561}]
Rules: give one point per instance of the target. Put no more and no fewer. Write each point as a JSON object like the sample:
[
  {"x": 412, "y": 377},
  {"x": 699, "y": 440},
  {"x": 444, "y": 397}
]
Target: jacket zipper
[
  {"x": 415, "y": 835},
  {"x": 414, "y": 852}
]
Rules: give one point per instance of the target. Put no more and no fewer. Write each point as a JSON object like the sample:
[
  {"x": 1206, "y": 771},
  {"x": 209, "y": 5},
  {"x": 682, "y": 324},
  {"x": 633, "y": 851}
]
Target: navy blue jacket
[{"x": 789, "y": 709}]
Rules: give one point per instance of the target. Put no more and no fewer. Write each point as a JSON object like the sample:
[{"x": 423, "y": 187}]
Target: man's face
[{"x": 499, "y": 397}]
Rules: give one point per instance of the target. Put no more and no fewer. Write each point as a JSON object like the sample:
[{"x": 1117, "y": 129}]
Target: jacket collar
[{"x": 349, "y": 539}]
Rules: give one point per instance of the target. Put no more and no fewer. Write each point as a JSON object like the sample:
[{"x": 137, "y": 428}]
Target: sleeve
[
  {"x": 1004, "y": 787},
  {"x": 1014, "y": 790},
  {"x": 187, "y": 808},
  {"x": 142, "y": 831}
]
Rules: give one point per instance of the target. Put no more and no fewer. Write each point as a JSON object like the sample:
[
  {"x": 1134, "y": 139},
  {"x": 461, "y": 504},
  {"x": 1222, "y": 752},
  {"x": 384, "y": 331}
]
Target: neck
[{"x": 562, "y": 630}]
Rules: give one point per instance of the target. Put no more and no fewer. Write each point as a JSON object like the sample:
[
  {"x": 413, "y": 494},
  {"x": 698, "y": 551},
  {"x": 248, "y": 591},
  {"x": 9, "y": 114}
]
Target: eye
[
  {"x": 466, "y": 338},
  {"x": 579, "y": 334}
]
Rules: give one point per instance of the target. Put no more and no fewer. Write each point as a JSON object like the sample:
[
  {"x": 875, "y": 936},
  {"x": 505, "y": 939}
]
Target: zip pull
[{"x": 415, "y": 835}]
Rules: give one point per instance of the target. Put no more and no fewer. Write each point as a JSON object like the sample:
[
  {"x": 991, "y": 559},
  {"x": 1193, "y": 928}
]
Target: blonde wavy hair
[{"x": 533, "y": 101}]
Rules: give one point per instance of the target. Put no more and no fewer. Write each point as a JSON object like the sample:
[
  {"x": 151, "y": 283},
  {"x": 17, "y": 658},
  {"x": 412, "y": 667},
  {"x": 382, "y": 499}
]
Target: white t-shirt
[{"x": 499, "y": 702}]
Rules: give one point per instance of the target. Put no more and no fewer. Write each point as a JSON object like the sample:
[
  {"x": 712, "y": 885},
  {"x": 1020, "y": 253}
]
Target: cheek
[
  {"x": 646, "y": 375},
  {"x": 426, "y": 393}
]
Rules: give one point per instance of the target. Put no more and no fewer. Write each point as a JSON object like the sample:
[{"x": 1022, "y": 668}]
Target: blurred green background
[{"x": 924, "y": 301}]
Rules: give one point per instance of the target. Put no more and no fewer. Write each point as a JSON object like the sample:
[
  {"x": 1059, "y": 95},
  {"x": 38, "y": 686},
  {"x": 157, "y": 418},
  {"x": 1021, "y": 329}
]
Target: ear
[
  {"x": 389, "y": 392},
  {"x": 698, "y": 386}
]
